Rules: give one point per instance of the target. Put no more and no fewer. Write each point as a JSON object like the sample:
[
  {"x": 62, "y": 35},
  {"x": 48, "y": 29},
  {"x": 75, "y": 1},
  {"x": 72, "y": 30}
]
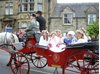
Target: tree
[{"x": 93, "y": 30}]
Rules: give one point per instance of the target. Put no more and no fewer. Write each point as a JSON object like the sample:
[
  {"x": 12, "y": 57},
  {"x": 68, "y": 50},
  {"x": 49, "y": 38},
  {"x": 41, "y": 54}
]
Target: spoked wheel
[
  {"x": 39, "y": 61},
  {"x": 88, "y": 65},
  {"x": 55, "y": 71},
  {"x": 19, "y": 64}
]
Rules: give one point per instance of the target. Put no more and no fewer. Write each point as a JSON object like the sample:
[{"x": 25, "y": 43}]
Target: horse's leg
[{"x": 8, "y": 64}]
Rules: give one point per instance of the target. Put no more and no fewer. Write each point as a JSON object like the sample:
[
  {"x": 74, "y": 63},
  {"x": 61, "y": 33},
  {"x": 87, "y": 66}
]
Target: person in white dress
[
  {"x": 55, "y": 43},
  {"x": 44, "y": 38},
  {"x": 80, "y": 37}
]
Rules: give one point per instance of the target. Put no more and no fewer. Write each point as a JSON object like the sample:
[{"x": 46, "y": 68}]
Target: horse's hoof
[{"x": 8, "y": 65}]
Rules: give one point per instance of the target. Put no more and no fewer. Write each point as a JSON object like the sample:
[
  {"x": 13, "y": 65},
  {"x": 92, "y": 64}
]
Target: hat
[
  {"x": 39, "y": 12},
  {"x": 79, "y": 31},
  {"x": 58, "y": 31},
  {"x": 44, "y": 31},
  {"x": 71, "y": 32},
  {"x": 52, "y": 33}
]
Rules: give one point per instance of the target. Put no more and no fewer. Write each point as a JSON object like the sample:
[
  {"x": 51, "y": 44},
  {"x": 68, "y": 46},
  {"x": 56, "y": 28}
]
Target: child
[
  {"x": 70, "y": 39},
  {"x": 55, "y": 44},
  {"x": 80, "y": 37},
  {"x": 44, "y": 38}
]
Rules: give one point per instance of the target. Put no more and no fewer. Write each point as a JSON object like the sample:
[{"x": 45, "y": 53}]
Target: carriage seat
[
  {"x": 36, "y": 35},
  {"x": 19, "y": 45},
  {"x": 41, "y": 46},
  {"x": 87, "y": 45}
]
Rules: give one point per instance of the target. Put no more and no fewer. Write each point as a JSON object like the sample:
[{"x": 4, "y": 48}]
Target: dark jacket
[{"x": 42, "y": 22}]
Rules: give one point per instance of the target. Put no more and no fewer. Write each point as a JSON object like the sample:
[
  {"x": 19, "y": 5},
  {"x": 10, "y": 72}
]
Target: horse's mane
[{"x": 7, "y": 36}]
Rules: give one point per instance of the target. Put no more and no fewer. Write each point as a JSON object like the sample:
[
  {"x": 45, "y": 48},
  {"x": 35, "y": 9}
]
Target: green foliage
[{"x": 93, "y": 30}]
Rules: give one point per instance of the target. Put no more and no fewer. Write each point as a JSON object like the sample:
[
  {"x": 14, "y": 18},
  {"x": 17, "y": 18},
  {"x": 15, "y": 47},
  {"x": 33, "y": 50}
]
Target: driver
[{"x": 33, "y": 29}]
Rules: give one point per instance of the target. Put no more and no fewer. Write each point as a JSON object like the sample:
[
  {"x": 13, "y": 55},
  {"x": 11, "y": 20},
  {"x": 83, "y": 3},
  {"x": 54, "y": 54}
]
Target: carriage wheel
[
  {"x": 89, "y": 64},
  {"x": 55, "y": 71},
  {"x": 19, "y": 64},
  {"x": 39, "y": 61}
]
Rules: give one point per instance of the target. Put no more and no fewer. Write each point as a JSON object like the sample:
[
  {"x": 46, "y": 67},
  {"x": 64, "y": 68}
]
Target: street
[
  {"x": 49, "y": 37},
  {"x": 4, "y": 59}
]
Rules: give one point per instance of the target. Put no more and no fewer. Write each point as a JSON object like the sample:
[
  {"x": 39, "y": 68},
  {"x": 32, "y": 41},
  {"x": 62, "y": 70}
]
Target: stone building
[
  {"x": 67, "y": 16},
  {"x": 72, "y": 16},
  {"x": 16, "y": 13},
  {"x": 8, "y": 14}
]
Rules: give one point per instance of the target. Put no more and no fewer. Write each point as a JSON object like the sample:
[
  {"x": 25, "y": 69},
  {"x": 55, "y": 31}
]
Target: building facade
[
  {"x": 67, "y": 16},
  {"x": 16, "y": 13},
  {"x": 72, "y": 16}
]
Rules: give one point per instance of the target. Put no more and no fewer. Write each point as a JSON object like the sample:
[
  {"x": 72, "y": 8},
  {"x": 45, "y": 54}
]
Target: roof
[{"x": 78, "y": 8}]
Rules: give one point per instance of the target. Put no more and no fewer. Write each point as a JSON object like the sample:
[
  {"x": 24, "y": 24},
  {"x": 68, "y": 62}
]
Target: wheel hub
[
  {"x": 18, "y": 63},
  {"x": 37, "y": 58}
]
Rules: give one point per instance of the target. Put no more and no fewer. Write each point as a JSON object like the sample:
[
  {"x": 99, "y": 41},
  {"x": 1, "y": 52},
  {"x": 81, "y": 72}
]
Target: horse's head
[{"x": 8, "y": 38}]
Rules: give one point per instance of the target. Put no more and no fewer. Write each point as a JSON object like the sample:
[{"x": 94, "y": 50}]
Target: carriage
[{"x": 81, "y": 58}]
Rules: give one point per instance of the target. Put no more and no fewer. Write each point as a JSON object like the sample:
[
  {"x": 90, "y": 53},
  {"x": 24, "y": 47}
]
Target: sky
[{"x": 76, "y": 1}]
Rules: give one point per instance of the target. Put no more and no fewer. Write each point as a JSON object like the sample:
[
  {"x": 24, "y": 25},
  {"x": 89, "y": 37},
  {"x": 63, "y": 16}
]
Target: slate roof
[{"x": 78, "y": 8}]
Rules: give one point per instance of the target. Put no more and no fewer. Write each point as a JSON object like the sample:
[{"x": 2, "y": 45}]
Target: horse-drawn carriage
[{"x": 80, "y": 57}]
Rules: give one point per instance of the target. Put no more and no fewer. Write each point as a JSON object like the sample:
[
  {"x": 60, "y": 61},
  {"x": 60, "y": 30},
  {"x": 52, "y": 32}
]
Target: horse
[{"x": 8, "y": 38}]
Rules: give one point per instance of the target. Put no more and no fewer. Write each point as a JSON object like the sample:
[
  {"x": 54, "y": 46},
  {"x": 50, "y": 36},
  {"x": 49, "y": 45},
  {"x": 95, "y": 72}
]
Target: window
[
  {"x": 40, "y": 7},
  {"x": 39, "y": 1},
  {"x": 23, "y": 1},
  {"x": 26, "y": 5},
  {"x": 31, "y": 0},
  {"x": 67, "y": 19},
  {"x": 9, "y": 8},
  {"x": 91, "y": 18},
  {"x": 31, "y": 6},
  {"x": 23, "y": 24}
]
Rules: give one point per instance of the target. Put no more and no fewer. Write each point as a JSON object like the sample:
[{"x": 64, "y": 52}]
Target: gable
[
  {"x": 78, "y": 8},
  {"x": 91, "y": 9},
  {"x": 67, "y": 10}
]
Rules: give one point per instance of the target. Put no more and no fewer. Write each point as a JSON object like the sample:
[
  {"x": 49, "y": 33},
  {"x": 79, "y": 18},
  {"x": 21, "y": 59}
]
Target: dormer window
[
  {"x": 91, "y": 18},
  {"x": 67, "y": 18}
]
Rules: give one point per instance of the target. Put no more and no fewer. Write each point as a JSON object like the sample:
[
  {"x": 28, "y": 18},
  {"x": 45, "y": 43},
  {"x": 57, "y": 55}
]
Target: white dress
[
  {"x": 43, "y": 42},
  {"x": 81, "y": 41},
  {"x": 55, "y": 45}
]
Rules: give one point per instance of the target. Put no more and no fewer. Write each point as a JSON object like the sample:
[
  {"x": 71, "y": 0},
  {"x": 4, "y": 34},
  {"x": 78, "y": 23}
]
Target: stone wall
[
  {"x": 57, "y": 23},
  {"x": 15, "y": 7},
  {"x": 1, "y": 13}
]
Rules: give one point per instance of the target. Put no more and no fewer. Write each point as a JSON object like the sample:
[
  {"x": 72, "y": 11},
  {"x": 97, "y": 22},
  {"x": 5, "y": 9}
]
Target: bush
[{"x": 93, "y": 30}]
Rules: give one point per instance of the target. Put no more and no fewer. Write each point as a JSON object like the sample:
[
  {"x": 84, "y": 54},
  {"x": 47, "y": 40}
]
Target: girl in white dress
[
  {"x": 44, "y": 38},
  {"x": 55, "y": 43},
  {"x": 80, "y": 37}
]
